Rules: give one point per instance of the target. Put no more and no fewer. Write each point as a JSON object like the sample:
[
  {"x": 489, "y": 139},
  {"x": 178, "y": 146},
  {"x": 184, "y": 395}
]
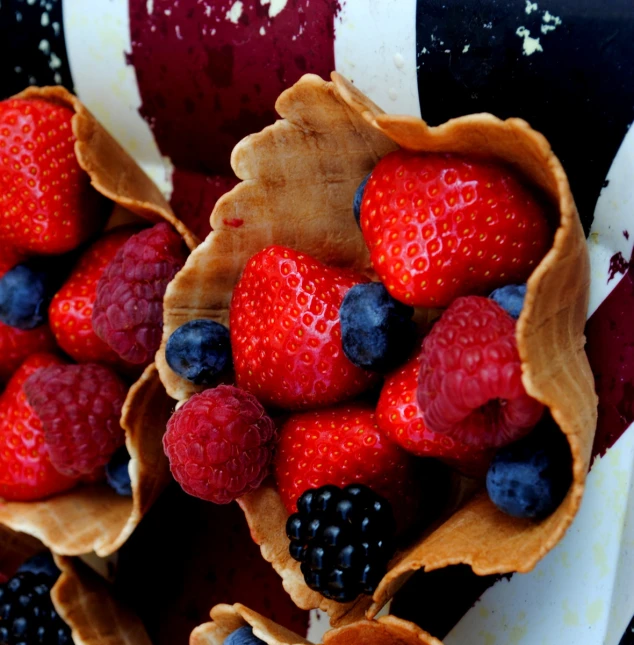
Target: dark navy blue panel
[
  {"x": 32, "y": 49},
  {"x": 628, "y": 636},
  {"x": 579, "y": 91}
]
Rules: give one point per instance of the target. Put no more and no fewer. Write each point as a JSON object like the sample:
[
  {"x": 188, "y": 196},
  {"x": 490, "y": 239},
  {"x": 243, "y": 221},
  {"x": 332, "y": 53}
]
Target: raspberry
[
  {"x": 80, "y": 407},
  {"x": 128, "y": 311},
  {"x": 470, "y": 381},
  {"x": 220, "y": 444}
]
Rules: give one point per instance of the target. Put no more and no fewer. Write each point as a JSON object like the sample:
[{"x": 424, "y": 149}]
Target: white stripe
[
  {"x": 613, "y": 215},
  {"x": 97, "y": 36},
  {"x": 375, "y": 47},
  {"x": 582, "y": 592}
]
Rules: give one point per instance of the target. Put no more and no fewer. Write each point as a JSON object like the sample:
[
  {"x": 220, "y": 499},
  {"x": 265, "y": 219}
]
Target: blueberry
[
  {"x": 358, "y": 198},
  {"x": 42, "y": 563},
  {"x": 199, "y": 351},
  {"x": 117, "y": 473},
  {"x": 377, "y": 332},
  {"x": 243, "y": 636},
  {"x": 530, "y": 478},
  {"x": 25, "y": 293},
  {"x": 510, "y": 298}
]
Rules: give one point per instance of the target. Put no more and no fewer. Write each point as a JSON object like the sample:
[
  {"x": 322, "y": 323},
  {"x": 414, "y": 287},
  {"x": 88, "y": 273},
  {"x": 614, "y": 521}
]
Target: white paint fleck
[
  {"x": 44, "y": 46},
  {"x": 149, "y": 6},
  {"x": 447, "y": 51},
  {"x": 168, "y": 12},
  {"x": 56, "y": 28},
  {"x": 32, "y": 80},
  {"x": 177, "y": 29},
  {"x": 530, "y": 7},
  {"x": 548, "y": 17},
  {"x": 17, "y": 69},
  {"x": 30, "y": 2},
  {"x": 530, "y": 45},
  {"x": 44, "y": 20},
  {"x": 392, "y": 93},
  {"x": 262, "y": 31},
  {"x": 424, "y": 50},
  {"x": 207, "y": 10},
  {"x": 18, "y": 16},
  {"x": 233, "y": 15},
  {"x": 54, "y": 62},
  {"x": 433, "y": 38},
  {"x": 546, "y": 28},
  {"x": 465, "y": 49},
  {"x": 275, "y": 6},
  {"x": 57, "y": 77},
  {"x": 399, "y": 61},
  {"x": 488, "y": 25}
]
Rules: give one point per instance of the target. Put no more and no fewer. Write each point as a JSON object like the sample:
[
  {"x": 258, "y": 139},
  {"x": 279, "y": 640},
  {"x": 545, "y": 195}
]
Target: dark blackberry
[
  {"x": 27, "y": 616},
  {"x": 343, "y": 538}
]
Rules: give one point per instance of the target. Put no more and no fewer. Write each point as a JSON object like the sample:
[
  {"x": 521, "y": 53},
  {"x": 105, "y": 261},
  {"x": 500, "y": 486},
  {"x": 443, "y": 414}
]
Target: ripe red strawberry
[
  {"x": 439, "y": 226},
  {"x": 341, "y": 446},
  {"x": 470, "y": 382},
  {"x": 16, "y": 345},
  {"x": 70, "y": 311},
  {"x": 47, "y": 205},
  {"x": 9, "y": 257},
  {"x": 286, "y": 334},
  {"x": 400, "y": 418},
  {"x": 26, "y": 472}
]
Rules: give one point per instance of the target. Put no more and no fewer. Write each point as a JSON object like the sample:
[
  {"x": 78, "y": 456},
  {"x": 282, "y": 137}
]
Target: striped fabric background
[{"x": 179, "y": 82}]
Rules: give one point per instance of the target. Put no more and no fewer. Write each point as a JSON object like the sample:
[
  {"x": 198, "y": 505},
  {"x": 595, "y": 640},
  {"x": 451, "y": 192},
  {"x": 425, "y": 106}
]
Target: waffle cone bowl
[
  {"x": 298, "y": 181},
  {"x": 387, "y": 630},
  {"x": 95, "y": 518}
]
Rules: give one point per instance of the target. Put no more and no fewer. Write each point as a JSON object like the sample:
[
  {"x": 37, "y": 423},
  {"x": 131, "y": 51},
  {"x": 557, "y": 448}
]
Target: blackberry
[
  {"x": 27, "y": 615},
  {"x": 343, "y": 538},
  {"x": 377, "y": 331},
  {"x": 199, "y": 351}
]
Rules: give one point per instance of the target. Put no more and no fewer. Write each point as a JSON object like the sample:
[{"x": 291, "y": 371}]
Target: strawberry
[
  {"x": 70, "y": 311},
  {"x": 47, "y": 205},
  {"x": 16, "y": 345},
  {"x": 341, "y": 446},
  {"x": 26, "y": 472},
  {"x": 399, "y": 416},
  {"x": 439, "y": 226},
  {"x": 9, "y": 257},
  {"x": 286, "y": 333}
]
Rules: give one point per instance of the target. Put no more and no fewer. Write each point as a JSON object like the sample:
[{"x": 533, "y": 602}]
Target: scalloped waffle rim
[
  {"x": 95, "y": 518},
  {"x": 387, "y": 630},
  {"x": 299, "y": 176}
]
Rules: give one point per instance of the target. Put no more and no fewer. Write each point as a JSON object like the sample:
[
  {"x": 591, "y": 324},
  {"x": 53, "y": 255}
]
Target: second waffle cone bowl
[
  {"x": 80, "y": 596},
  {"x": 385, "y": 631},
  {"x": 298, "y": 180},
  {"x": 95, "y": 518}
]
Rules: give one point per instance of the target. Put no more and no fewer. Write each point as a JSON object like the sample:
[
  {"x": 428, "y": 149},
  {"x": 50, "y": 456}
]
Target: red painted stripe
[{"x": 206, "y": 82}]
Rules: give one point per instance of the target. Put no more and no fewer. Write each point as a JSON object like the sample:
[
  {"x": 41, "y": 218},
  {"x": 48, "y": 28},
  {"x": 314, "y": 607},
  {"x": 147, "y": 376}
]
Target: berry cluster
[{"x": 100, "y": 301}]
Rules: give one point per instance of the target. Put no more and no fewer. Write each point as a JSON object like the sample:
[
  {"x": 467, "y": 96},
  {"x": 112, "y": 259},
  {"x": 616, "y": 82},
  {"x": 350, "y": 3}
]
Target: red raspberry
[
  {"x": 470, "y": 382},
  {"x": 128, "y": 310},
  {"x": 220, "y": 444},
  {"x": 80, "y": 407}
]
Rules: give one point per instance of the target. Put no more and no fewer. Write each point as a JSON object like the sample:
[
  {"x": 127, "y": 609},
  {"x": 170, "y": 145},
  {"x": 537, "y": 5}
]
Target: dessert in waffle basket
[
  {"x": 79, "y": 595},
  {"x": 299, "y": 177},
  {"x": 94, "y": 517}
]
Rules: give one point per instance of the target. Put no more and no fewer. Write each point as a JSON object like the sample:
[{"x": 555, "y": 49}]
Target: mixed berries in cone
[
  {"x": 68, "y": 290},
  {"x": 363, "y": 397}
]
